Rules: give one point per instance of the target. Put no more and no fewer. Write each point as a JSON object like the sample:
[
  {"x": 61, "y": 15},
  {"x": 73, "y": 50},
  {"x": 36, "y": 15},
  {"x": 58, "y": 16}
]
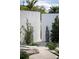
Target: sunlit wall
[{"x": 34, "y": 19}]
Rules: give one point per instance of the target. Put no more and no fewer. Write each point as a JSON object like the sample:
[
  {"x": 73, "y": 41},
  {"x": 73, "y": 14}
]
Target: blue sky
[{"x": 46, "y": 3}]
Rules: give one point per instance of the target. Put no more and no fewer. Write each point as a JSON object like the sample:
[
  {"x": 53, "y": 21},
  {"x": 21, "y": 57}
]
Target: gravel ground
[{"x": 43, "y": 54}]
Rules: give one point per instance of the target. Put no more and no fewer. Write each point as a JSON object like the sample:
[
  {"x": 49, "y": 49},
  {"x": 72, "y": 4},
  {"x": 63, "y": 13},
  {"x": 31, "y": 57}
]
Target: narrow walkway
[{"x": 43, "y": 54}]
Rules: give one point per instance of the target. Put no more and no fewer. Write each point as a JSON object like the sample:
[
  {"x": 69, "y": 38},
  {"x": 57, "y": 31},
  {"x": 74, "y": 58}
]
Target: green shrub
[
  {"x": 24, "y": 55},
  {"x": 51, "y": 45},
  {"x": 34, "y": 44}
]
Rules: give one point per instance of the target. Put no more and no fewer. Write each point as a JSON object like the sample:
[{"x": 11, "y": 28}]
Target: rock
[{"x": 29, "y": 50}]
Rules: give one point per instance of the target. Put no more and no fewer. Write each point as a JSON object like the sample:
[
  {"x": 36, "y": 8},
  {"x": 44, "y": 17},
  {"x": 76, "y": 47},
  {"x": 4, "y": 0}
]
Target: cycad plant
[{"x": 28, "y": 35}]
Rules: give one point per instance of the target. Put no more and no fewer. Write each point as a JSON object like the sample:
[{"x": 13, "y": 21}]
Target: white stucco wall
[
  {"x": 34, "y": 19},
  {"x": 39, "y": 27},
  {"x": 47, "y": 20}
]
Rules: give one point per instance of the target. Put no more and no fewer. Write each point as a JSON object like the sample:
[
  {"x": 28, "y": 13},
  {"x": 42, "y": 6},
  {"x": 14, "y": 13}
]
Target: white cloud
[
  {"x": 55, "y": 4},
  {"x": 43, "y": 3}
]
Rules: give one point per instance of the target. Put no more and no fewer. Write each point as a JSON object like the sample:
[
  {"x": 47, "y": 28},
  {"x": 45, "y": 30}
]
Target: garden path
[{"x": 43, "y": 54}]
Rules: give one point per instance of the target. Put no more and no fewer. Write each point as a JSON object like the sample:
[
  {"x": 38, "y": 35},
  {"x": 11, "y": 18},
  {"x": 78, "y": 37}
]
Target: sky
[{"x": 46, "y": 3}]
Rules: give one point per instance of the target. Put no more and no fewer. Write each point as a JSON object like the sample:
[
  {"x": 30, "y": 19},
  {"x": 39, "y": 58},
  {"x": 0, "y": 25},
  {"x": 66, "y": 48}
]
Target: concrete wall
[
  {"x": 47, "y": 20},
  {"x": 34, "y": 19},
  {"x": 38, "y": 22}
]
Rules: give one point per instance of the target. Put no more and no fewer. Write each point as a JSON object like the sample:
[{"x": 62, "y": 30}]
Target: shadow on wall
[{"x": 47, "y": 34}]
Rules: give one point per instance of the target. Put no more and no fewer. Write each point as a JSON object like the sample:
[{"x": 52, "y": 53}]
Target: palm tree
[
  {"x": 54, "y": 9},
  {"x": 30, "y": 3}
]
